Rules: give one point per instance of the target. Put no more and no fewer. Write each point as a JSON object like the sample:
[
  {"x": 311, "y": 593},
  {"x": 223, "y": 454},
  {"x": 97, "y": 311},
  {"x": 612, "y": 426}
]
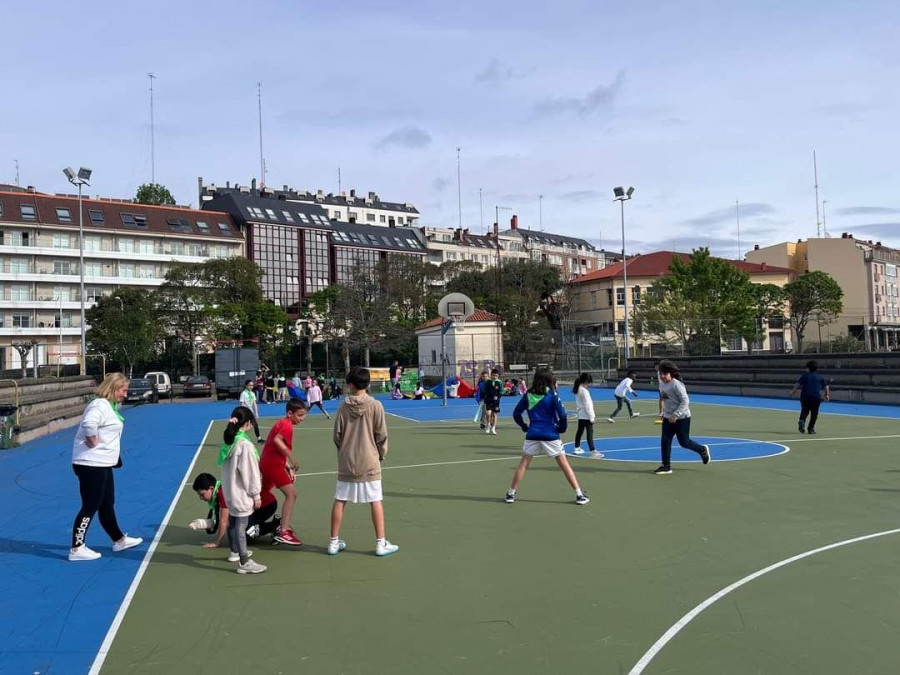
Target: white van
[{"x": 162, "y": 382}]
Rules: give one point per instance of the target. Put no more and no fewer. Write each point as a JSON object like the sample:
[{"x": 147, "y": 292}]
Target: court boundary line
[
  {"x": 737, "y": 441},
  {"x": 676, "y": 628},
  {"x": 791, "y": 410},
  {"x": 106, "y": 645}
]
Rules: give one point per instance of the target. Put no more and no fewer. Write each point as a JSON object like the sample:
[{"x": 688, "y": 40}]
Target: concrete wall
[{"x": 477, "y": 346}]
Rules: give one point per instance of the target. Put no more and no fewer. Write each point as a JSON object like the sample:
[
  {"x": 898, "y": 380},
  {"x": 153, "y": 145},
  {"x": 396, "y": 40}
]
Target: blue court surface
[{"x": 55, "y": 615}]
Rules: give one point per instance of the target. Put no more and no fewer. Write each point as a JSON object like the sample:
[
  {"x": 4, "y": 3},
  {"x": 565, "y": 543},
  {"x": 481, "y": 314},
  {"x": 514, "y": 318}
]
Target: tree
[
  {"x": 155, "y": 194},
  {"x": 813, "y": 295},
  {"x": 766, "y": 302},
  {"x": 183, "y": 304},
  {"x": 124, "y": 327}
]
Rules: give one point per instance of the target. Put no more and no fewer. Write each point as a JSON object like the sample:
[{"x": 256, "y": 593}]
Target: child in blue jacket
[{"x": 546, "y": 421}]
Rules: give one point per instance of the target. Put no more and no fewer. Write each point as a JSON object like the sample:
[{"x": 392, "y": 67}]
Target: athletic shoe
[
  {"x": 610, "y": 420},
  {"x": 335, "y": 546},
  {"x": 510, "y": 497},
  {"x": 481, "y": 426},
  {"x": 487, "y": 430},
  {"x": 126, "y": 542},
  {"x": 633, "y": 415},
  {"x": 82, "y": 553},
  {"x": 597, "y": 455},
  {"x": 493, "y": 431},
  {"x": 801, "y": 427},
  {"x": 236, "y": 557},
  {"x": 253, "y": 532},
  {"x": 287, "y": 537},
  {"x": 387, "y": 548},
  {"x": 579, "y": 451},
  {"x": 663, "y": 471},
  {"x": 811, "y": 431},
  {"x": 705, "y": 456},
  {"x": 260, "y": 440},
  {"x": 251, "y": 567},
  {"x": 582, "y": 499}
]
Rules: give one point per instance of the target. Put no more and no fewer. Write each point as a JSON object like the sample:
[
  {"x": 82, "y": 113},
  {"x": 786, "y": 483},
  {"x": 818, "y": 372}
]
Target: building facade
[
  {"x": 446, "y": 244},
  {"x": 125, "y": 244},
  {"x": 867, "y": 274},
  {"x": 476, "y": 346}
]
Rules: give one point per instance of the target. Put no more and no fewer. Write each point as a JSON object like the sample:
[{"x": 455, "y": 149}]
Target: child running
[
  {"x": 248, "y": 400},
  {"x": 586, "y": 414},
  {"x": 314, "y": 398},
  {"x": 621, "y": 394},
  {"x": 490, "y": 394},
  {"x": 676, "y": 417},
  {"x": 811, "y": 386},
  {"x": 241, "y": 486},
  {"x": 278, "y": 465},
  {"x": 546, "y": 421},
  {"x": 360, "y": 434}
]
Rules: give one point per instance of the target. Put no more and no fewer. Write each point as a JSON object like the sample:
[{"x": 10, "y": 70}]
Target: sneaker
[
  {"x": 253, "y": 532},
  {"x": 663, "y": 471},
  {"x": 287, "y": 537},
  {"x": 705, "y": 456},
  {"x": 387, "y": 548},
  {"x": 487, "y": 430},
  {"x": 494, "y": 431},
  {"x": 481, "y": 426},
  {"x": 82, "y": 553},
  {"x": 335, "y": 546},
  {"x": 633, "y": 415},
  {"x": 236, "y": 557},
  {"x": 580, "y": 451},
  {"x": 582, "y": 499},
  {"x": 801, "y": 427},
  {"x": 610, "y": 420},
  {"x": 260, "y": 440},
  {"x": 126, "y": 542},
  {"x": 510, "y": 497},
  {"x": 251, "y": 567},
  {"x": 597, "y": 455},
  {"x": 811, "y": 431}
]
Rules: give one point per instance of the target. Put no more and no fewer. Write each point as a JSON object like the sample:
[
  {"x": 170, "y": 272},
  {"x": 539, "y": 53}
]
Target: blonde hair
[{"x": 109, "y": 385}]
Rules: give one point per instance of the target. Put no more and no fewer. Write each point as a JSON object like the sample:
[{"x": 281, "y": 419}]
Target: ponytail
[
  {"x": 239, "y": 417},
  {"x": 583, "y": 379}
]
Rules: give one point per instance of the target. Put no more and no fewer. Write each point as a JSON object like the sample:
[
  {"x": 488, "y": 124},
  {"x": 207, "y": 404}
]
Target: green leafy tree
[
  {"x": 184, "y": 306},
  {"x": 766, "y": 302},
  {"x": 155, "y": 194},
  {"x": 815, "y": 295},
  {"x": 124, "y": 327}
]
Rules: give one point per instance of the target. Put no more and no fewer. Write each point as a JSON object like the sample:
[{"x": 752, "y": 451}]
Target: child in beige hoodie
[{"x": 360, "y": 434}]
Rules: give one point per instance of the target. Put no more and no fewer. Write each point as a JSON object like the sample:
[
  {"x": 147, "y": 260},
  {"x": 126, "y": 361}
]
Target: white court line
[
  {"x": 794, "y": 411},
  {"x": 129, "y": 596},
  {"x": 402, "y": 417},
  {"x": 648, "y": 656}
]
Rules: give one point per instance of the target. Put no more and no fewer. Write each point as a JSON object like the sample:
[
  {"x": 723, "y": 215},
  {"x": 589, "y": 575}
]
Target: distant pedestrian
[
  {"x": 314, "y": 398},
  {"x": 621, "y": 396},
  {"x": 813, "y": 390},
  {"x": 676, "y": 417},
  {"x": 248, "y": 400},
  {"x": 585, "y": 411}
]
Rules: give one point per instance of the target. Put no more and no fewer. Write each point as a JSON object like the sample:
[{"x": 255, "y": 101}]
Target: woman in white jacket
[
  {"x": 95, "y": 453},
  {"x": 586, "y": 415}
]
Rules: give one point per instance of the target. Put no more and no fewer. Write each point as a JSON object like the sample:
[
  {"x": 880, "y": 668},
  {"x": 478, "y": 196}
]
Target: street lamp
[
  {"x": 83, "y": 177},
  {"x": 620, "y": 195}
]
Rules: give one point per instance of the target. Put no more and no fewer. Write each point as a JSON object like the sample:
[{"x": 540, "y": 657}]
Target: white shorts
[
  {"x": 358, "y": 493},
  {"x": 549, "y": 448}
]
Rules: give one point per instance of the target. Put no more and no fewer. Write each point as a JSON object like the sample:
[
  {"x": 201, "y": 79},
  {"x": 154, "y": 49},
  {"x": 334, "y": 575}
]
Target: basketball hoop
[{"x": 459, "y": 322}]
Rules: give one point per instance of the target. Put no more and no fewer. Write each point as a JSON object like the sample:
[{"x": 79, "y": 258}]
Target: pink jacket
[{"x": 314, "y": 394}]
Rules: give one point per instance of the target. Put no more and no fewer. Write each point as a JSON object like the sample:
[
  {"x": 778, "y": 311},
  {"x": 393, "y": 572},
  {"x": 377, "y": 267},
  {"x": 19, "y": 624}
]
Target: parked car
[
  {"x": 198, "y": 385},
  {"x": 162, "y": 381},
  {"x": 142, "y": 390}
]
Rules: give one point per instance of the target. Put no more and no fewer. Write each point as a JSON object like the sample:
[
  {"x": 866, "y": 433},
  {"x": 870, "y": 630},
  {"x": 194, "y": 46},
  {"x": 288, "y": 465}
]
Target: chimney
[
  {"x": 878, "y": 243},
  {"x": 496, "y": 230},
  {"x": 200, "y": 187},
  {"x": 755, "y": 247},
  {"x": 253, "y": 186},
  {"x": 352, "y": 194},
  {"x": 514, "y": 222},
  {"x": 228, "y": 185}
]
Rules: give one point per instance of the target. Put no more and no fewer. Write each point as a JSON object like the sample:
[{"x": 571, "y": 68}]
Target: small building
[{"x": 476, "y": 346}]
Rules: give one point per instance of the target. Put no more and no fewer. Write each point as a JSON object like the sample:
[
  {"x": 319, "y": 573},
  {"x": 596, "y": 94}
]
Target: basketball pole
[{"x": 444, "y": 328}]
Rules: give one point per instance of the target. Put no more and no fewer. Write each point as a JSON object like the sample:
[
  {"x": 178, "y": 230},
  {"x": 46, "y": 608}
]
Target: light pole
[
  {"x": 83, "y": 177},
  {"x": 622, "y": 196}
]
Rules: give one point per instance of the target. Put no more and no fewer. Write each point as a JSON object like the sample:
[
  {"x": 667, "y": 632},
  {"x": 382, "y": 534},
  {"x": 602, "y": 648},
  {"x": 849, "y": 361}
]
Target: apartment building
[
  {"x": 573, "y": 256},
  {"x": 446, "y": 244},
  {"x": 598, "y": 298},
  {"x": 867, "y": 274},
  {"x": 344, "y": 207},
  {"x": 125, "y": 244}
]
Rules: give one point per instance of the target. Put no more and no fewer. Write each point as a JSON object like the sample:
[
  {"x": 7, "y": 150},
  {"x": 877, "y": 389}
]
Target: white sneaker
[
  {"x": 251, "y": 567},
  {"x": 494, "y": 431},
  {"x": 126, "y": 542},
  {"x": 82, "y": 553},
  {"x": 387, "y": 548},
  {"x": 236, "y": 557},
  {"x": 579, "y": 451},
  {"x": 637, "y": 414},
  {"x": 610, "y": 420},
  {"x": 335, "y": 546},
  {"x": 487, "y": 430},
  {"x": 253, "y": 532}
]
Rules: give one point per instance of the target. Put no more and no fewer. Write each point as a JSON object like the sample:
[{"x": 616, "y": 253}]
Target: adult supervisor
[{"x": 95, "y": 454}]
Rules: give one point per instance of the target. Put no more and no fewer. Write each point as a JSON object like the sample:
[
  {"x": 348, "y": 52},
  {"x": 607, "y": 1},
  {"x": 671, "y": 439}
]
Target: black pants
[
  {"x": 320, "y": 407},
  {"x": 262, "y": 517},
  {"x": 585, "y": 426},
  {"x": 98, "y": 494},
  {"x": 681, "y": 429},
  {"x": 255, "y": 423},
  {"x": 810, "y": 406},
  {"x": 620, "y": 400}
]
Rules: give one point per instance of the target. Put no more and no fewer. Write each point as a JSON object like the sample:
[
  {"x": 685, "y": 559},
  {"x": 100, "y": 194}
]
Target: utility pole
[
  {"x": 816, "y": 186},
  {"x": 541, "y": 211},
  {"x": 262, "y": 162},
  {"x": 339, "y": 180},
  {"x": 17, "y": 171},
  {"x": 481, "y": 210},
  {"x": 459, "y": 189},
  {"x": 737, "y": 214},
  {"x": 824, "y": 226},
  {"x": 151, "y": 77}
]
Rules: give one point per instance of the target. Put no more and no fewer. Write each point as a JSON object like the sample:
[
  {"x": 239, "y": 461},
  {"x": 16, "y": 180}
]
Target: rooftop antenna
[
  {"x": 541, "y": 211},
  {"x": 17, "y": 171},
  {"x": 737, "y": 214},
  {"x": 481, "y": 210},
  {"x": 816, "y": 186},
  {"x": 151, "y": 77},
  {"x": 824, "y": 227},
  {"x": 339, "y": 180},
  {"x": 458, "y": 188},
  {"x": 262, "y": 161}
]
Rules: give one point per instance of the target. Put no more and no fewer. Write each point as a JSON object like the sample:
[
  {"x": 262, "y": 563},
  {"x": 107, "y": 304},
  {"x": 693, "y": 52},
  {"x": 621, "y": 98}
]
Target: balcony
[{"x": 37, "y": 331}]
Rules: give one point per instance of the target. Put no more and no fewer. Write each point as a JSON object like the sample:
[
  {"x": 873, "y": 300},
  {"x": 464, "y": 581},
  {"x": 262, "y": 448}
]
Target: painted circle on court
[{"x": 646, "y": 449}]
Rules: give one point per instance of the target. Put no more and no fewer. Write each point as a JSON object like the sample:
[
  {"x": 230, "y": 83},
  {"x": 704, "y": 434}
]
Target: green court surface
[{"x": 543, "y": 585}]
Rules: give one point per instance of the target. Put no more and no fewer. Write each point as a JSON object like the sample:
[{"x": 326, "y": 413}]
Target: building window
[
  {"x": 735, "y": 344},
  {"x": 620, "y": 297},
  {"x": 63, "y": 267},
  {"x": 61, "y": 241},
  {"x": 63, "y": 214},
  {"x": 126, "y": 245},
  {"x": 19, "y": 293},
  {"x": 620, "y": 327},
  {"x": 144, "y": 246},
  {"x": 92, "y": 243},
  {"x": 609, "y": 297},
  {"x": 126, "y": 270},
  {"x": 434, "y": 356},
  {"x": 60, "y": 293},
  {"x": 19, "y": 266},
  {"x": 635, "y": 295},
  {"x": 224, "y": 229},
  {"x": 352, "y": 216},
  {"x": 21, "y": 320},
  {"x": 203, "y": 227},
  {"x": 93, "y": 269},
  {"x": 382, "y": 219},
  {"x": 287, "y": 216},
  {"x": 315, "y": 261},
  {"x": 593, "y": 299},
  {"x": 28, "y": 212},
  {"x": 96, "y": 217}
]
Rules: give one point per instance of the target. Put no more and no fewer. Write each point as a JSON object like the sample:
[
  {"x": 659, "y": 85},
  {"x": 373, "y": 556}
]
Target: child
[
  {"x": 676, "y": 417},
  {"x": 314, "y": 398},
  {"x": 419, "y": 393},
  {"x": 493, "y": 388},
  {"x": 481, "y": 414},
  {"x": 360, "y": 434},
  {"x": 811, "y": 386},
  {"x": 248, "y": 400},
  {"x": 278, "y": 465},
  {"x": 261, "y": 521},
  {"x": 523, "y": 388},
  {"x": 546, "y": 421},
  {"x": 621, "y": 394},
  {"x": 241, "y": 486},
  {"x": 396, "y": 394},
  {"x": 586, "y": 414}
]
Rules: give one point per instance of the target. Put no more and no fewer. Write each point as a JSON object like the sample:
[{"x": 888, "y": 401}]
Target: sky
[{"x": 696, "y": 104}]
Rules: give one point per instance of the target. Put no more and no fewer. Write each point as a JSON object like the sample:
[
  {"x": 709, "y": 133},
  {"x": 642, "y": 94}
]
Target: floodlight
[
  {"x": 70, "y": 173},
  {"x": 85, "y": 174},
  {"x": 618, "y": 192},
  {"x": 627, "y": 194}
]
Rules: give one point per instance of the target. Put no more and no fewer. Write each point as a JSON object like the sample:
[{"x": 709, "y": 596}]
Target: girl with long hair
[{"x": 676, "y": 417}]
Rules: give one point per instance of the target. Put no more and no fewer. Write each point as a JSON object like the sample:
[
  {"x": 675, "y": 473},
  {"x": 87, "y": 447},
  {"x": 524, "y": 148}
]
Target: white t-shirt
[
  {"x": 584, "y": 404},
  {"x": 624, "y": 387},
  {"x": 100, "y": 420}
]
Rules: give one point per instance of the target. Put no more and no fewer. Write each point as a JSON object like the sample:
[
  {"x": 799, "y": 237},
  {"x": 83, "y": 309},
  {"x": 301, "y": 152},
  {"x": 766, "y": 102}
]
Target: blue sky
[{"x": 695, "y": 104}]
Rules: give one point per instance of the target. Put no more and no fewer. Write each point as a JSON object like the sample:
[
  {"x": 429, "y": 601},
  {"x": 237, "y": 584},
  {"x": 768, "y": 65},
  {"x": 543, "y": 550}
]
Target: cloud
[
  {"x": 728, "y": 214},
  {"x": 495, "y": 72},
  {"x": 603, "y": 97},
  {"x": 409, "y": 136},
  {"x": 440, "y": 183},
  {"x": 878, "y": 229},
  {"x": 581, "y": 195},
  {"x": 723, "y": 247},
  {"x": 867, "y": 211},
  {"x": 344, "y": 117}
]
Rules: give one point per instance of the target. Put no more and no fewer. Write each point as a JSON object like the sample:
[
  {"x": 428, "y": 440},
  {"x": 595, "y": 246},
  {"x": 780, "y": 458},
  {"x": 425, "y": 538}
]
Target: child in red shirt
[{"x": 277, "y": 466}]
